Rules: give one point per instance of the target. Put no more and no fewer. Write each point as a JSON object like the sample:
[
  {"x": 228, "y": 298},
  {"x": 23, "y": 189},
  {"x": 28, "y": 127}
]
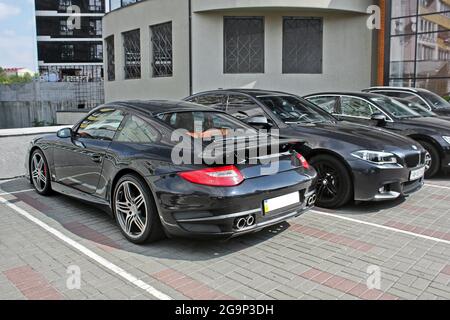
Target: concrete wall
[
  {"x": 343, "y": 5},
  {"x": 143, "y": 15},
  {"x": 25, "y": 105},
  {"x": 347, "y": 54},
  {"x": 347, "y": 46}
]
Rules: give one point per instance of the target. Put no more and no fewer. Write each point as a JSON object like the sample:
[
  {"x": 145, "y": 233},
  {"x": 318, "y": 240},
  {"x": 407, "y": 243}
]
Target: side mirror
[
  {"x": 258, "y": 121},
  {"x": 65, "y": 133},
  {"x": 379, "y": 118}
]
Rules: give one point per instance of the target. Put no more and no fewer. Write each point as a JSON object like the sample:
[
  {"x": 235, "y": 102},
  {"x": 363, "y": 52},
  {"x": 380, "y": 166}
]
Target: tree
[{"x": 11, "y": 79}]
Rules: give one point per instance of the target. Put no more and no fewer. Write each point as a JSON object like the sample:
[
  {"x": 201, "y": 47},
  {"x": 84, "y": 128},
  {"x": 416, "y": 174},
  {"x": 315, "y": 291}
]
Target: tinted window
[
  {"x": 435, "y": 100},
  {"x": 326, "y": 103},
  {"x": 291, "y": 109},
  {"x": 395, "y": 108},
  {"x": 242, "y": 107},
  {"x": 101, "y": 124},
  {"x": 137, "y": 130},
  {"x": 203, "y": 124},
  {"x": 405, "y": 95},
  {"x": 356, "y": 107},
  {"x": 214, "y": 100}
]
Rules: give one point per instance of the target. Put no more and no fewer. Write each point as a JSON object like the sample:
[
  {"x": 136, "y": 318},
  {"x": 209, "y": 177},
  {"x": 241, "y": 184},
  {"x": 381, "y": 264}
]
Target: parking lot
[{"x": 321, "y": 255}]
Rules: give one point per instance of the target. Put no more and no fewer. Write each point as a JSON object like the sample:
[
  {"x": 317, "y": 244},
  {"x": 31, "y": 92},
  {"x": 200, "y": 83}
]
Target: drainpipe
[{"x": 190, "y": 46}]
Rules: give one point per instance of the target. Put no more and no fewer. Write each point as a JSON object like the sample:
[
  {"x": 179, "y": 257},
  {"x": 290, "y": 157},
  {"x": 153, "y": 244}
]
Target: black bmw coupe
[{"x": 121, "y": 156}]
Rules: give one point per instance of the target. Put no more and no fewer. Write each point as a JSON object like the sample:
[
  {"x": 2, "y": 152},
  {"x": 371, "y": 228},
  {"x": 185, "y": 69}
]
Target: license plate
[
  {"x": 416, "y": 174},
  {"x": 281, "y": 202}
]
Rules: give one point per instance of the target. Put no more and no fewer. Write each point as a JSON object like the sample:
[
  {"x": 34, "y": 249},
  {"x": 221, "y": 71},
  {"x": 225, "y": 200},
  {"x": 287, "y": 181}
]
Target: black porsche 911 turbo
[
  {"x": 121, "y": 157},
  {"x": 354, "y": 162},
  {"x": 384, "y": 112}
]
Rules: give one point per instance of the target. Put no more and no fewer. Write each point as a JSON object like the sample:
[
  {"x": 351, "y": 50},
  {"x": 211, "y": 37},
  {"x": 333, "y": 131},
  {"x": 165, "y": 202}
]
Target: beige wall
[
  {"x": 345, "y": 5},
  {"x": 347, "y": 54},
  {"x": 347, "y": 49},
  {"x": 143, "y": 15}
]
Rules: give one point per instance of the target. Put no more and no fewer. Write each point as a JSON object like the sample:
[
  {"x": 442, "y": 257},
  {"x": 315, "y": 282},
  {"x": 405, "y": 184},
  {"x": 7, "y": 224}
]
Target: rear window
[{"x": 203, "y": 124}]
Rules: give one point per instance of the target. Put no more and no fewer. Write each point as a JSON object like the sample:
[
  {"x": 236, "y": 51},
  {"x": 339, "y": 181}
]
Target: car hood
[
  {"x": 430, "y": 123},
  {"x": 360, "y": 136}
]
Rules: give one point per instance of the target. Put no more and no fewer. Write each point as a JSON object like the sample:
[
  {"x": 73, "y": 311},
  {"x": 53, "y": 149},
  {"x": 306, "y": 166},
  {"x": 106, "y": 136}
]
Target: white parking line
[
  {"x": 15, "y": 192},
  {"x": 436, "y": 186},
  {"x": 87, "y": 252},
  {"x": 381, "y": 226}
]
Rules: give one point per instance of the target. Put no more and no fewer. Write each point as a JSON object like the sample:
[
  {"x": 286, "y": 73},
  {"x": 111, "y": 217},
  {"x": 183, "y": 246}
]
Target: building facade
[
  {"x": 419, "y": 40},
  {"x": 168, "y": 49},
  {"x": 69, "y": 39}
]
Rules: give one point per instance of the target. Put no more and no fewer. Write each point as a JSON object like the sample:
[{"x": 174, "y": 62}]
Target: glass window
[
  {"x": 355, "y": 107},
  {"x": 132, "y": 51},
  {"x": 402, "y": 8},
  {"x": 291, "y": 109},
  {"x": 96, "y": 52},
  {"x": 161, "y": 40},
  {"x": 203, "y": 124},
  {"x": 395, "y": 108},
  {"x": 326, "y": 103},
  {"x": 242, "y": 107},
  {"x": 435, "y": 100},
  {"x": 404, "y": 95},
  {"x": 101, "y": 124},
  {"x": 302, "y": 45},
  {"x": 244, "y": 45},
  {"x": 67, "y": 52},
  {"x": 111, "y": 64},
  {"x": 216, "y": 101},
  {"x": 136, "y": 130}
]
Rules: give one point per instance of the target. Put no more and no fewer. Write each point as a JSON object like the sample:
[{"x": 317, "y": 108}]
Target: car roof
[
  {"x": 255, "y": 93},
  {"x": 404, "y": 89},
  {"x": 364, "y": 95},
  {"x": 154, "y": 107}
]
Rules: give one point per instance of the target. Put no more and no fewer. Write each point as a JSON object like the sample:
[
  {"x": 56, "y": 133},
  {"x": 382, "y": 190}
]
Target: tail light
[
  {"x": 302, "y": 160},
  {"x": 228, "y": 176}
]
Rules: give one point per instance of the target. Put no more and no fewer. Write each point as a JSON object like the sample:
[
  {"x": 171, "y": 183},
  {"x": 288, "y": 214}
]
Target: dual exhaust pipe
[{"x": 244, "y": 222}]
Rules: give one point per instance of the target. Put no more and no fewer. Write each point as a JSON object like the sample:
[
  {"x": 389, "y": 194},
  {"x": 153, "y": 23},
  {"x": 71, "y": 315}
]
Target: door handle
[{"x": 97, "y": 158}]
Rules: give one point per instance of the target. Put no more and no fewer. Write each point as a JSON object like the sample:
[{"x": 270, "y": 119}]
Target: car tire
[
  {"x": 135, "y": 211},
  {"x": 435, "y": 159},
  {"x": 334, "y": 183},
  {"x": 40, "y": 173}
]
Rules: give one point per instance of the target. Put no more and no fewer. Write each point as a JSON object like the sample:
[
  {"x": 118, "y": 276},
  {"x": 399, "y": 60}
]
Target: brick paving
[{"x": 310, "y": 257}]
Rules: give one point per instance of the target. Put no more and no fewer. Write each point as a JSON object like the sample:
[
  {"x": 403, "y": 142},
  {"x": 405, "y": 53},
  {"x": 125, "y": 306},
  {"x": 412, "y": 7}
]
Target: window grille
[{"x": 161, "y": 40}]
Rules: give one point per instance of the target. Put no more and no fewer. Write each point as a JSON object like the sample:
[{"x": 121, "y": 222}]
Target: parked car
[
  {"x": 387, "y": 113},
  {"x": 423, "y": 111},
  {"x": 423, "y": 97},
  {"x": 120, "y": 157},
  {"x": 353, "y": 161}
]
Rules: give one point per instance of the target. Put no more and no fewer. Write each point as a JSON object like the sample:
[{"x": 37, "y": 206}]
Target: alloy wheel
[
  {"x": 327, "y": 183},
  {"x": 39, "y": 172},
  {"x": 428, "y": 161},
  {"x": 131, "y": 209}
]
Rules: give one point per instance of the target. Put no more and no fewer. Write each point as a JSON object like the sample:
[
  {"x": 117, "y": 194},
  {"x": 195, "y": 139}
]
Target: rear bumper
[
  {"x": 374, "y": 183},
  {"x": 206, "y": 212}
]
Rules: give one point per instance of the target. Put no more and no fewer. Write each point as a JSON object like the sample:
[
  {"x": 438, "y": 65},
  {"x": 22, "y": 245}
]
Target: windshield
[
  {"x": 292, "y": 110},
  {"x": 395, "y": 108},
  {"x": 435, "y": 100},
  {"x": 424, "y": 112},
  {"x": 205, "y": 124}
]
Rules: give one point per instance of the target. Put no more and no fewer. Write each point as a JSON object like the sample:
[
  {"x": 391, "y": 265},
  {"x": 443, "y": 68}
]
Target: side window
[
  {"x": 326, "y": 103},
  {"x": 101, "y": 124},
  {"x": 136, "y": 130},
  {"x": 355, "y": 107},
  {"x": 242, "y": 107},
  {"x": 216, "y": 101}
]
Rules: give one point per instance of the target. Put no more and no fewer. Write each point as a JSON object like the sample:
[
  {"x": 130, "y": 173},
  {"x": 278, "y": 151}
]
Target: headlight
[
  {"x": 377, "y": 157},
  {"x": 447, "y": 139}
]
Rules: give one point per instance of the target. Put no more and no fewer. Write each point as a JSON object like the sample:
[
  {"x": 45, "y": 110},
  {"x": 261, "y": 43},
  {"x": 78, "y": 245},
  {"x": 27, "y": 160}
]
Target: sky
[{"x": 17, "y": 34}]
